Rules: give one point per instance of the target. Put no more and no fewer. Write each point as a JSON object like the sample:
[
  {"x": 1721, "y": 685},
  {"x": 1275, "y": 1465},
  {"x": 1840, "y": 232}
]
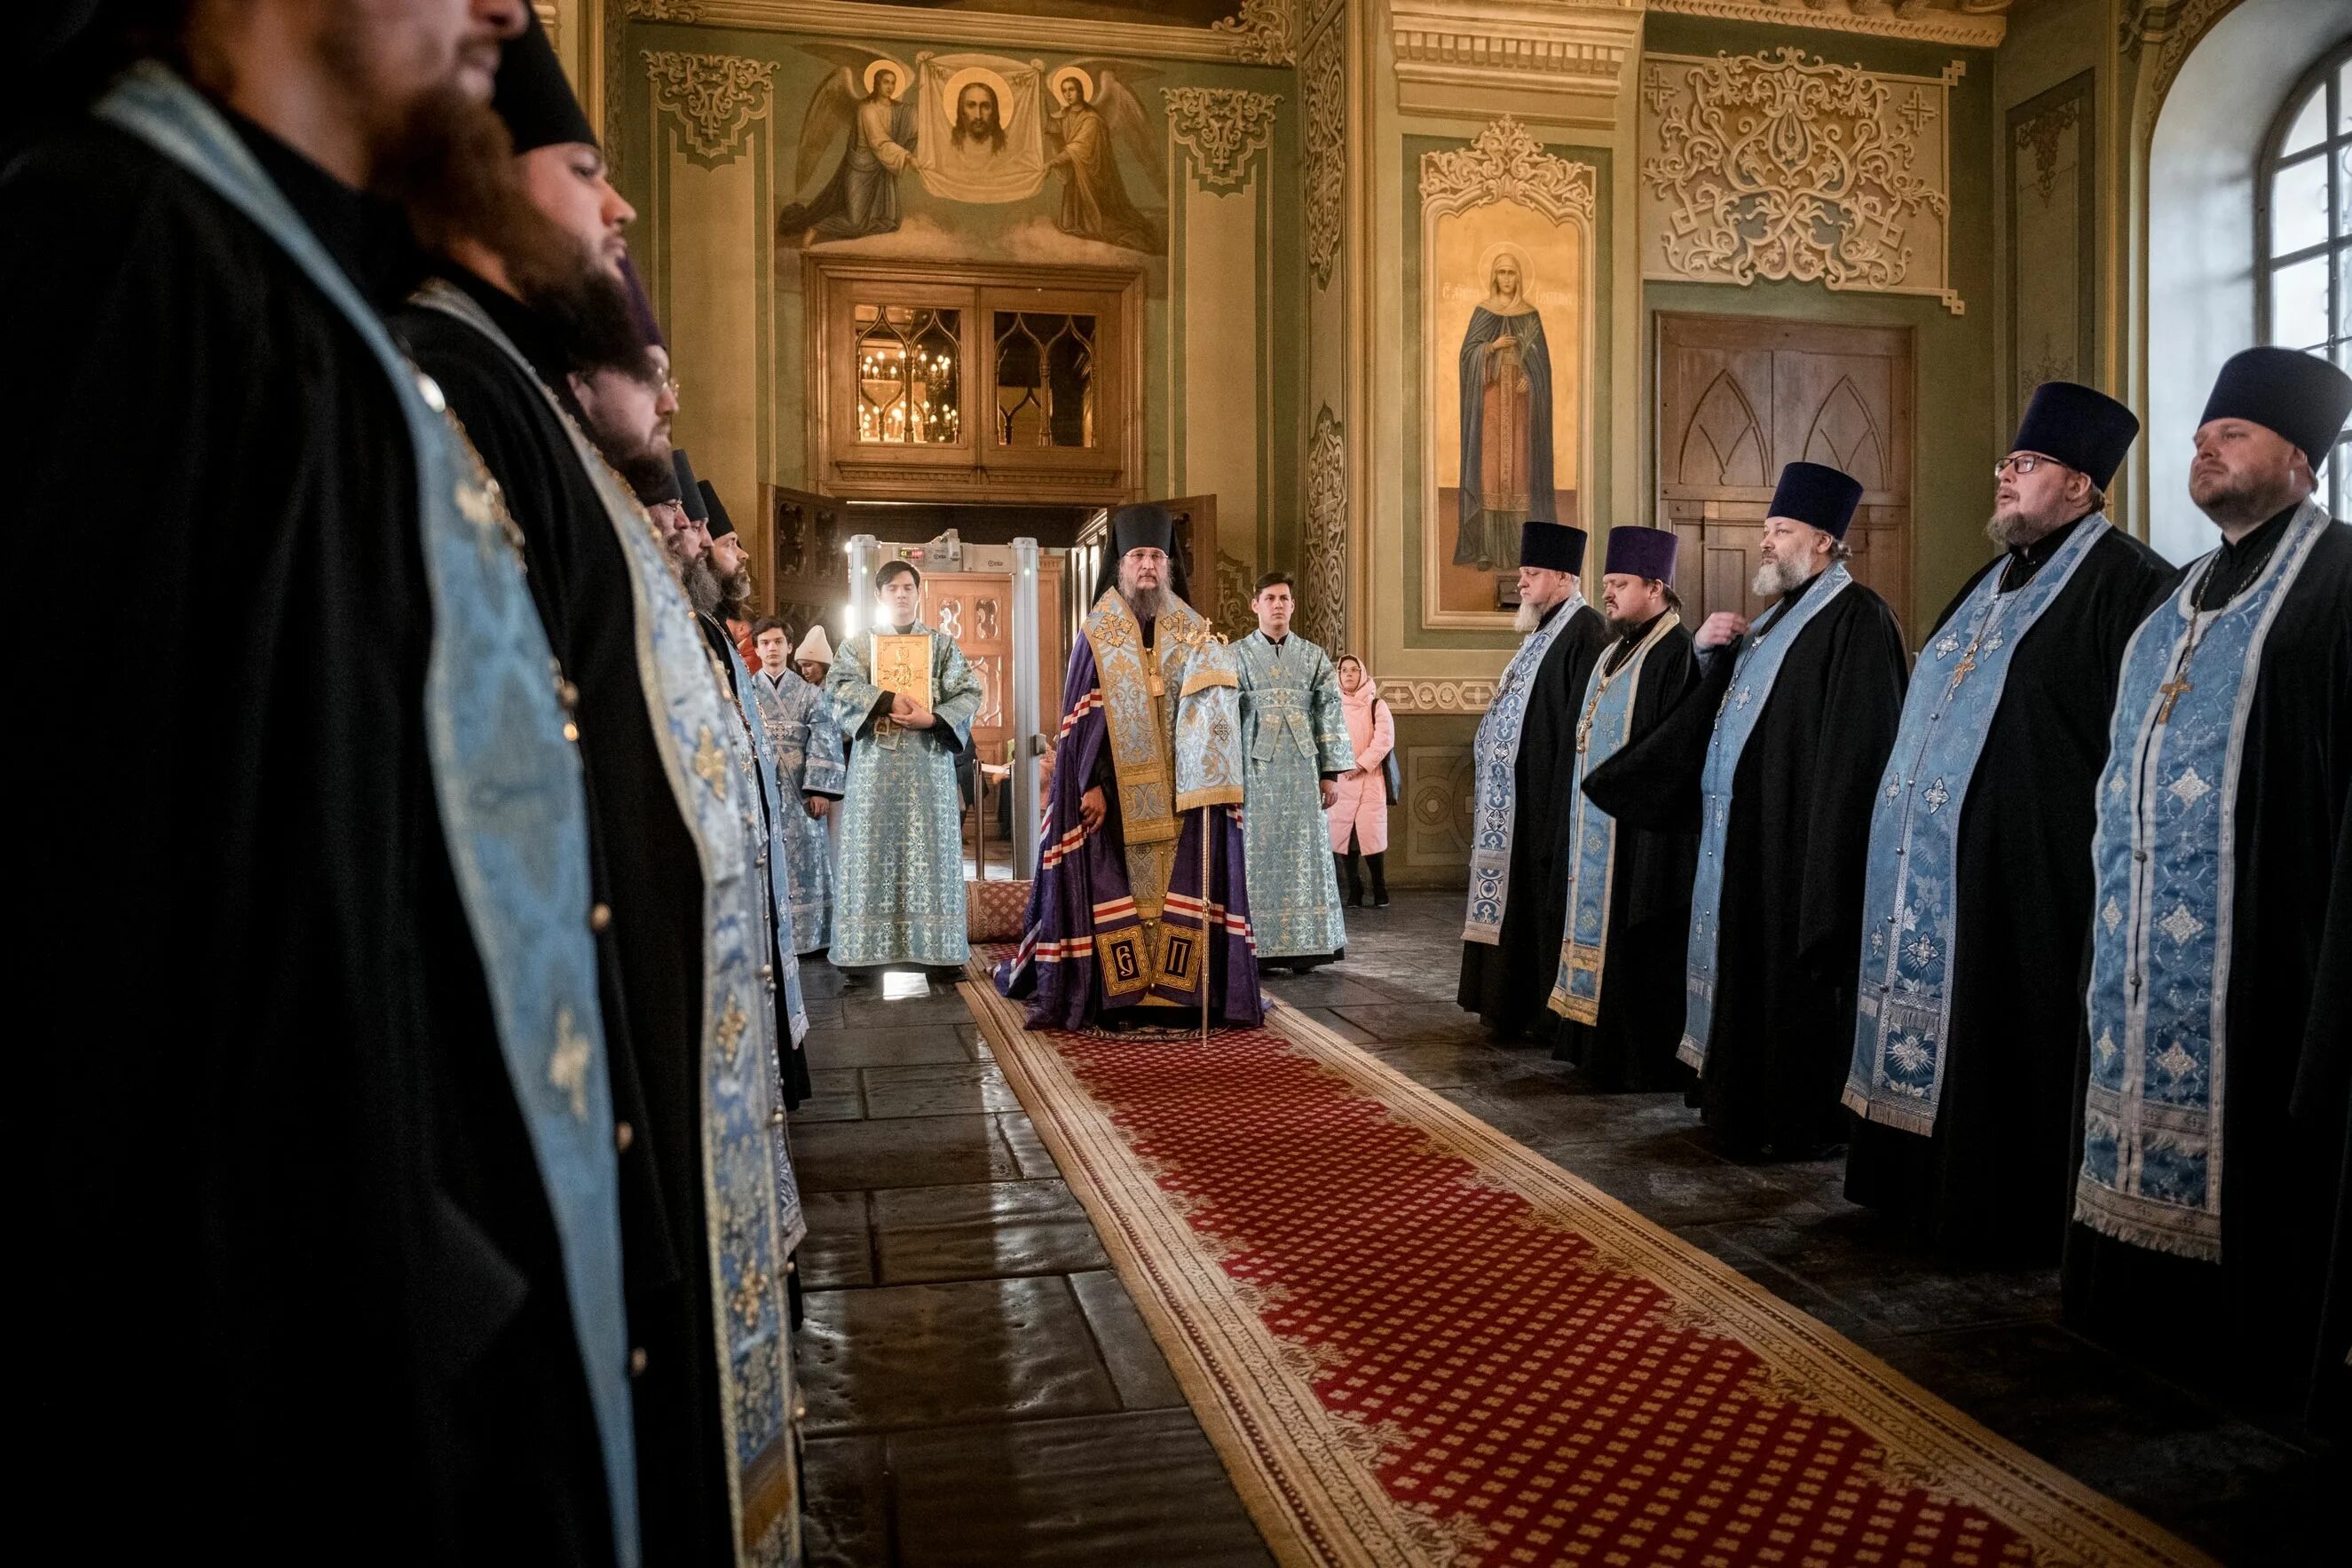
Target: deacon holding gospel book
[{"x": 904, "y": 694}]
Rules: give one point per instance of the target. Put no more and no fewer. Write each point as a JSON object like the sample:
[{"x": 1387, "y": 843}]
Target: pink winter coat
[{"x": 1363, "y": 807}]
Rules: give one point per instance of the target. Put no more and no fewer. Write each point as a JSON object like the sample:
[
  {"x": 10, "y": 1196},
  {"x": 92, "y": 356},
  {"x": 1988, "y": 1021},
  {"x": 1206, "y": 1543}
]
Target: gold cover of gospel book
[{"x": 902, "y": 665}]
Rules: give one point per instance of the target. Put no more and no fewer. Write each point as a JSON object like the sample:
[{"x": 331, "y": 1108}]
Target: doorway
[{"x": 1740, "y": 396}]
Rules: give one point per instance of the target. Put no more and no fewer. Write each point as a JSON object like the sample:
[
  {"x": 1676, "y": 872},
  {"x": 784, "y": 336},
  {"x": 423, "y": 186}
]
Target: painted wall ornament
[
  {"x": 1096, "y": 115},
  {"x": 1220, "y": 127},
  {"x": 1774, "y": 166},
  {"x": 714, "y": 98},
  {"x": 867, "y": 95},
  {"x": 1507, "y": 326}
]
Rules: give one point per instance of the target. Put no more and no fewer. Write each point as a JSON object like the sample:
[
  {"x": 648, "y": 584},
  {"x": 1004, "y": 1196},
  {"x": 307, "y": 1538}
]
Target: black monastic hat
[
  {"x": 689, "y": 489},
  {"x": 1818, "y": 495},
  {"x": 532, "y": 96},
  {"x": 1554, "y": 546},
  {"x": 1143, "y": 526},
  {"x": 641, "y": 309},
  {"x": 1637, "y": 552},
  {"x": 2086, "y": 430},
  {"x": 2299, "y": 395},
  {"x": 721, "y": 525}
]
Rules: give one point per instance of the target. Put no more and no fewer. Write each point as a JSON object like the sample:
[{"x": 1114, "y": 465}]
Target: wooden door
[
  {"x": 1737, "y": 398},
  {"x": 975, "y": 608}
]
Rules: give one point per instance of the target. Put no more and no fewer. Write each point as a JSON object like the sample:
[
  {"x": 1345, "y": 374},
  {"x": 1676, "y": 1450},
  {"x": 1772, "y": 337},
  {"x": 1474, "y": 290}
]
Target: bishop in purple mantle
[{"x": 1124, "y": 927}]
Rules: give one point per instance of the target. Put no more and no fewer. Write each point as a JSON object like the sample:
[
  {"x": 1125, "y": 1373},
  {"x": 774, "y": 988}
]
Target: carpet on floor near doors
[{"x": 1416, "y": 1343}]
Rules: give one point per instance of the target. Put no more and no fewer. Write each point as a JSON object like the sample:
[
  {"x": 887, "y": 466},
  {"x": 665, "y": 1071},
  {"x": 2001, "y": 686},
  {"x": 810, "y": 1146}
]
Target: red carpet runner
[{"x": 1416, "y": 1343}]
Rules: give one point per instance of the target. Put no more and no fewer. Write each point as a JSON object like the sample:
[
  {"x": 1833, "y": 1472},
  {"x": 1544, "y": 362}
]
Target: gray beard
[
  {"x": 1527, "y": 616},
  {"x": 1146, "y": 604},
  {"x": 702, "y": 589},
  {"x": 1775, "y": 578},
  {"x": 2010, "y": 530}
]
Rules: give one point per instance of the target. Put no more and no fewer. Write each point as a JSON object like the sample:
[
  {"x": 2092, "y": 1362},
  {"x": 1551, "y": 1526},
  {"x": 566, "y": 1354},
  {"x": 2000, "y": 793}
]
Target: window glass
[
  {"x": 910, "y": 374},
  {"x": 1044, "y": 379}
]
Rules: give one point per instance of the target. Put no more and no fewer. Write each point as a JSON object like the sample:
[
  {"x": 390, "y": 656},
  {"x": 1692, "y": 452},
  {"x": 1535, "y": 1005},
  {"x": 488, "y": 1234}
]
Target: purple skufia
[{"x": 1637, "y": 552}]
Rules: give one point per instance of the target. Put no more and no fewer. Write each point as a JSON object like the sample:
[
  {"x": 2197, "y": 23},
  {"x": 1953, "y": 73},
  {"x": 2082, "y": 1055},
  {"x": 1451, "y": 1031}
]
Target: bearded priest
[
  {"x": 1140, "y": 911},
  {"x": 1775, "y": 756},
  {"x": 1619, "y": 986},
  {"x": 1979, "y": 881},
  {"x": 2211, "y": 1232},
  {"x": 1518, "y": 870}
]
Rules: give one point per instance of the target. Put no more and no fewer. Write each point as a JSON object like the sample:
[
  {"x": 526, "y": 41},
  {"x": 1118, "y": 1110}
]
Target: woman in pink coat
[{"x": 1360, "y": 814}]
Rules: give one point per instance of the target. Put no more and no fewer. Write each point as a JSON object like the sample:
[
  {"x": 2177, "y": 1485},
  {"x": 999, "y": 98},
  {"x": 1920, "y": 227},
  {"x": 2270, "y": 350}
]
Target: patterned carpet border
[{"x": 1309, "y": 1477}]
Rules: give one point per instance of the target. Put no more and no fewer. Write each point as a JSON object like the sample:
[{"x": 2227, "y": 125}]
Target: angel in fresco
[
  {"x": 1097, "y": 112},
  {"x": 1506, "y": 468},
  {"x": 865, "y": 94}
]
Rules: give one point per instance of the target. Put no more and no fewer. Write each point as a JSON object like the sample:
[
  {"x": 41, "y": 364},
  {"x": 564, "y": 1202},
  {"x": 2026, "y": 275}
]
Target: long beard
[
  {"x": 649, "y": 473},
  {"x": 1620, "y": 628},
  {"x": 1147, "y": 604},
  {"x": 1527, "y": 616},
  {"x": 1775, "y": 578},
  {"x": 702, "y": 587},
  {"x": 735, "y": 592}
]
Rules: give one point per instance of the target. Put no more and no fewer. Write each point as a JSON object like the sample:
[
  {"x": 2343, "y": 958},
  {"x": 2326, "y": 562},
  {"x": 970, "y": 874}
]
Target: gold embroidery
[
  {"x": 710, "y": 763},
  {"x": 732, "y": 1023}
]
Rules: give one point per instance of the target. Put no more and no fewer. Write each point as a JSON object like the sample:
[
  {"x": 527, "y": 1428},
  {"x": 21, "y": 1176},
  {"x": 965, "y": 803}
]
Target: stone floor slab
[
  {"x": 1137, "y": 1365},
  {"x": 915, "y": 1043},
  {"x": 1138, "y": 1489},
  {"x": 908, "y": 1151},
  {"x": 943, "y": 1089},
  {"x": 985, "y": 1230},
  {"x": 902, "y": 1356},
  {"x": 845, "y": 1513},
  {"x": 834, "y": 1094},
  {"x": 839, "y": 1249}
]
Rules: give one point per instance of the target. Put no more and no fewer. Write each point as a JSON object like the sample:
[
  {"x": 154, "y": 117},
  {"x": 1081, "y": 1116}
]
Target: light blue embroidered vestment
[
  {"x": 1292, "y": 733},
  {"x": 807, "y": 743}
]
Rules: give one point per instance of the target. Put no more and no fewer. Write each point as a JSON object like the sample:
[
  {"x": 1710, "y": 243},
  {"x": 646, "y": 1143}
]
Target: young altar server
[
  {"x": 1295, "y": 742},
  {"x": 810, "y": 775}
]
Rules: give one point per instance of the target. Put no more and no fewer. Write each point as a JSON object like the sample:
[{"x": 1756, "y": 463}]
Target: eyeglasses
[{"x": 2023, "y": 463}]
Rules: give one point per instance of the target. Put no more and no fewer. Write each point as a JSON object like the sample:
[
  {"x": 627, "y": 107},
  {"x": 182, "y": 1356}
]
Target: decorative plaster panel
[
  {"x": 1265, "y": 32},
  {"x": 1771, "y": 166},
  {"x": 1222, "y": 127},
  {"x": 1977, "y": 23},
  {"x": 714, "y": 98},
  {"x": 1440, "y": 783}
]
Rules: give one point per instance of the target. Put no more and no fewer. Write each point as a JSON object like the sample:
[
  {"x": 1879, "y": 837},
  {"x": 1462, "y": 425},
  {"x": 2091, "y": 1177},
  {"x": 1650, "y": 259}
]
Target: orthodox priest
[
  {"x": 807, "y": 744},
  {"x": 1296, "y": 742},
  {"x": 1139, "y": 909},
  {"x": 519, "y": 300},
  {"x": 1619, "y": 990},
  {"x": 2209, "y": 1207},
  {"x": 1978, "y": 888},
  {"x": 1774, "y": 757},
  {"x": 904, "y": 694},
  {"x": 357, "y": 1123},
  {"x": 1518, "y": 868}
]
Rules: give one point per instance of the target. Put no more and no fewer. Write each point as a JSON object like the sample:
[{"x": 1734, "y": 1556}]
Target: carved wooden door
[
  {"x": 975, "y": 608},
  {"x": 1738, "y": 397},
  {"x": 807, "y": 573}
]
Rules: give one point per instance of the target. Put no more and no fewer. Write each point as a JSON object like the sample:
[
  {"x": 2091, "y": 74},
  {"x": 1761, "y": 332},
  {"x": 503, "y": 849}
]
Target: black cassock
[
  {"x": 1798, "y": 843},
  {"x": 648, "y": 873},
  {"x": 1508, "y": 984},
  {"x": 289, "y": 1267},
  {"x": 1995, "y": 1182},
  {"x": 1632, "y": 1045},
  {"x": 2271, "y": 1323}
]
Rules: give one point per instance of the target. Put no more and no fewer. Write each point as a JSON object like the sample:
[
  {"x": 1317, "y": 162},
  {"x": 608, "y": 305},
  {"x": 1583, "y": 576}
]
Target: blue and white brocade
[
  {"x": 1294, "y": 735},
  {"x": 806, "y": 739},
  {"x": 900, "y": 896}
]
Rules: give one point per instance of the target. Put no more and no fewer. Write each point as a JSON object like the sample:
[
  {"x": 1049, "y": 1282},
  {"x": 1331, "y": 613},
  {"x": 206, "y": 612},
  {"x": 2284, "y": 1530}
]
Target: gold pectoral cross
[
  {"x": 1960, "y": 671},
  {"x": 2171, "y": 690}
]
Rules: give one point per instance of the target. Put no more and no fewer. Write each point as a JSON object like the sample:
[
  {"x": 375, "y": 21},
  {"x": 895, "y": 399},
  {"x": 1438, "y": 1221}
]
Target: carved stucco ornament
[
  {"x": 1324, "y": 612},
  {"x": 1264, "y": 32},
  {"x": 1505, "y": 164},
  {"x": 1222, "y": 127},
  {"x": 1777, "y": 167},
  {"x": 1323, "y": 89},
  {"x": 1438, "y": 696},
  {"x": 714, "y": 98}
]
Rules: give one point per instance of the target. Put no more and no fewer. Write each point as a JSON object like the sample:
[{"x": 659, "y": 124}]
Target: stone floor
[{"x": 981, "y": 1389}]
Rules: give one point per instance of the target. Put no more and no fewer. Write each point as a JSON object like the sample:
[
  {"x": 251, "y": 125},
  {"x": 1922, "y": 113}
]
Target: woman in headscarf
[{"x": 1359, "y": 815}]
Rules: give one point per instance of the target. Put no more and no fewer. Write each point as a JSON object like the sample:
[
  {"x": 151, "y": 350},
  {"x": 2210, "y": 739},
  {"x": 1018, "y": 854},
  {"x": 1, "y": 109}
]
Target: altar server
[
  {"x": 2209, "y": 1230},
  {"x": 1295, "y": 742},
  {"x": 1979, "y": 890},
  {"x": 806, "y": 739},
  {"x": 900, "y": 896},
  {"x": 1518, "y": 871},
  {"x": 1775, "y": 756}
]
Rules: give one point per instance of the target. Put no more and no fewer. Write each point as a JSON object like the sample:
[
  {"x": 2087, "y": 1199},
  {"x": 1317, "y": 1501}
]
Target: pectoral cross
[
  {"x": 2171, "y": 690},
  {"x": 1960, "y": 671}
]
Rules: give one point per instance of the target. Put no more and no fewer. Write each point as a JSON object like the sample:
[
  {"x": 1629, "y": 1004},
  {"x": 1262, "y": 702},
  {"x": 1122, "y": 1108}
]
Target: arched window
[{"x": 2303, "y": 232}]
